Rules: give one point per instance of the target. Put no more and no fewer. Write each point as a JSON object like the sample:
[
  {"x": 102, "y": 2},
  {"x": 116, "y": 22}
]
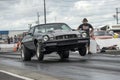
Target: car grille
[{"x": 66, "y": 37}]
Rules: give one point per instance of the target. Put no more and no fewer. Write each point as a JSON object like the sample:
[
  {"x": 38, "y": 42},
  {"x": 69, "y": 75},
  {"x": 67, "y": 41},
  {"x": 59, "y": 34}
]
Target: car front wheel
[
  {"x": 82, "y": 51},
  {"x": 39, "y": 52},
  {"x": 25, "y": 54},
  {"x": 63, "y": 54}
]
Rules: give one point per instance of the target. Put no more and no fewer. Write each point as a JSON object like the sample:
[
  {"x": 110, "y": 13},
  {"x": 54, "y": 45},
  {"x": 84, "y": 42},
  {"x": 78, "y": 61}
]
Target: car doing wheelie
[{"x": 53, "y": 37}]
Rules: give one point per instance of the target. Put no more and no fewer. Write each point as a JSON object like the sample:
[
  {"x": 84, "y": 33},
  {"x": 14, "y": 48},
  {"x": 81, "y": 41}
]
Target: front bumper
[{"x": 65, "y": 44}]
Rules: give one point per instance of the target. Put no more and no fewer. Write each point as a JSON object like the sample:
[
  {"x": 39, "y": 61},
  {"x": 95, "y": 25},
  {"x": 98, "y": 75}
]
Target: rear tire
[
  {"x": 39, "y": 53},
  {"x": 64, "y": 54},
  {"x": 102, "y": 51},
  {"x": 25, "y": 53},
  {"x": 82, "y": 51}
]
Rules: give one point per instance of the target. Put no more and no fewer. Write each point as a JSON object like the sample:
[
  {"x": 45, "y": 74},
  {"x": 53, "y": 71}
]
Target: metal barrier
[
  {"x": 8, "y": 47},
  {"x": 95, "y": 45}
]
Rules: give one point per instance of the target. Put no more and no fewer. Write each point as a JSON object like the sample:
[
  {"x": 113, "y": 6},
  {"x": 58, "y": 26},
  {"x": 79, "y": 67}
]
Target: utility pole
[
  {"x": 117, "y": 12},
  {"x": 45, "y": 11},
  {"x": 38, "y": 21}
]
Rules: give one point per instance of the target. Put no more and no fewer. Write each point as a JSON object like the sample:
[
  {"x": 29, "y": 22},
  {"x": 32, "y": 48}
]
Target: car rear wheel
[
  {"x": 25, "y": 54},
  {"x": 82, "y": 51},
  {"x": 63, "y": 54},
  {"x": 102, "y": 51},
  {"x": 39, "y": 52}
]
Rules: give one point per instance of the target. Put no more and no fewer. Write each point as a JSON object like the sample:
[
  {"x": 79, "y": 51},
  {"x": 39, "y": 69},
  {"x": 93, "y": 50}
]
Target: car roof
[{"x": 47, "y": 24}]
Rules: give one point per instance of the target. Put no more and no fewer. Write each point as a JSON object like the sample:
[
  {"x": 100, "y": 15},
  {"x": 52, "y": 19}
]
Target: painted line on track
[{"x": 15, "y": 75}]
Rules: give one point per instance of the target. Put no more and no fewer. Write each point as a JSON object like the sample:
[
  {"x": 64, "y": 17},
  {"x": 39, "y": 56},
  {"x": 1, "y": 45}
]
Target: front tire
[
  {"x": 82, "y": 51},
  {"x": 39, "y": 52},
  {"x": 25, "y": 54},
  {"x": 64, "y": 54}
]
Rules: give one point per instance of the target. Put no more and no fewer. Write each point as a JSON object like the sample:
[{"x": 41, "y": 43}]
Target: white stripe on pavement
[{"x": 15, "y": 75}]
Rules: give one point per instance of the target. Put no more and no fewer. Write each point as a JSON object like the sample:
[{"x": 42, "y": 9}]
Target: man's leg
[{"x": 89, "y": 48}]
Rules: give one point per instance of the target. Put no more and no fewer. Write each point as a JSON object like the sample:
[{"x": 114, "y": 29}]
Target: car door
[{"x": 29, "y": 39}]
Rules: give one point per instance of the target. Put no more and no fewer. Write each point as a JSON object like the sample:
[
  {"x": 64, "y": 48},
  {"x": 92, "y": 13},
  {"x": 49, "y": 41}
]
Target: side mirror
[{"x": 31, "y": 34}]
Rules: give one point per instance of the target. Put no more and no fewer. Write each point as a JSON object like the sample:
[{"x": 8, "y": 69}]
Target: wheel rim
[
  {"x": 38, "y": 51},
  {"x": 22, "y": 53}
]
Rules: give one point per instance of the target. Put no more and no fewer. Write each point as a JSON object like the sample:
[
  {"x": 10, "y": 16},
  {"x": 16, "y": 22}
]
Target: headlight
[
  {"x": 84, "y": 35},
  {"x": 45, "y": 38}
]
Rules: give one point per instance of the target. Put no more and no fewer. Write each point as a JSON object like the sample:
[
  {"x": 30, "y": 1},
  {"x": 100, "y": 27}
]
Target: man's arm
[
  {"x": 79, "y": 27},
  {"x": 92, "y": 29}
]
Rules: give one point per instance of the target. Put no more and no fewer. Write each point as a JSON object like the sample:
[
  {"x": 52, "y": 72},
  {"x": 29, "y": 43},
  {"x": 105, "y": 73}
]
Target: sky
[{"x": 17, "y": 14}]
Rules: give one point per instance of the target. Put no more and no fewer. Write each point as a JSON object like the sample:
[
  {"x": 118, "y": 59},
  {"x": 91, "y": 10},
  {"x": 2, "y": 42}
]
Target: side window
[
  {"x": 31, "y": 30},
  {"x": 36, "y": 30}
]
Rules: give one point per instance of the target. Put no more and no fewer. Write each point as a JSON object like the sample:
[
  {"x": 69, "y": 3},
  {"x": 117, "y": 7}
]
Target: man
[{"x": 89, "y": 30}]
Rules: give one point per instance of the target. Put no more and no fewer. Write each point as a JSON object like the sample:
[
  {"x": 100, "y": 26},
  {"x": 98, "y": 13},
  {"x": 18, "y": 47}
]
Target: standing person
[
  {"x": 11, "y": 39},
  {"x": 15, "y": 39},
  {"x": 8, "y": 39},
  {"x": 89, "y": 30}
]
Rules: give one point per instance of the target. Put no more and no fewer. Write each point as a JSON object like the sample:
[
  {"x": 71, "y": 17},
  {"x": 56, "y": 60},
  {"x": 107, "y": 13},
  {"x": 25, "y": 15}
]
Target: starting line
[{"x": 15, "y": 75}]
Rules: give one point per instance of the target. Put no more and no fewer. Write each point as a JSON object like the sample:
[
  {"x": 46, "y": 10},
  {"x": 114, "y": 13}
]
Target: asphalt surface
[
  {"x": 4, "y": 76},
  {"x": 90, "y": 67}
]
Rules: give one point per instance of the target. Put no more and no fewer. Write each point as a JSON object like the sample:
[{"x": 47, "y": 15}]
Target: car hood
[
  {"x": 62, "y": 32},
  {"x": 103, "y": 37}
]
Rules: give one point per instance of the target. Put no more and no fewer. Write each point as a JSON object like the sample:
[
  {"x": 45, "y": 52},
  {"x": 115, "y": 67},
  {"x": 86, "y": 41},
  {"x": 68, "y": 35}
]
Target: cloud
[
  {"x": 17, "y": 14},
  {"x": 82, "y": 5}
]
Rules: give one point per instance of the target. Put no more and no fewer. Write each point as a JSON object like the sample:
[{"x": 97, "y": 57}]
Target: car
[
  {"x": 101, "y": 35},
  {"x": 52, "y": 37}
]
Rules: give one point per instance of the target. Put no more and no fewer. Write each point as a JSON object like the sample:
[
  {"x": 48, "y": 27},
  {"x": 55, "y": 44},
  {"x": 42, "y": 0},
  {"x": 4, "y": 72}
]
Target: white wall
[{"x": 16, "y": 32}]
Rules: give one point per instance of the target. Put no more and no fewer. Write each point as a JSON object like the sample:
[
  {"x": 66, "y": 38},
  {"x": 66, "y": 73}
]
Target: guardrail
[{"x": 8, "y": 47}]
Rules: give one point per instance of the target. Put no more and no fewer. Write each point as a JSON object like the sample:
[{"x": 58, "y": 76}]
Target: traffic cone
[{"x": 15, "y": 48}]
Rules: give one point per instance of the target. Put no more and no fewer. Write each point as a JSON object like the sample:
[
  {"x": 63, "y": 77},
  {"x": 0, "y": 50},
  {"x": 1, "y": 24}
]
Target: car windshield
[
  {"x": 101, "y": 33},
  {"x": 51, "y": 27}
]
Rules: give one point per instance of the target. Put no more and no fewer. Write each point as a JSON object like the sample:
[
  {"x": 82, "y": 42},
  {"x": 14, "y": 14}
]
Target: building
[
  {"x": 4, "y": 34},
  {"x": 114, "y": 28}
]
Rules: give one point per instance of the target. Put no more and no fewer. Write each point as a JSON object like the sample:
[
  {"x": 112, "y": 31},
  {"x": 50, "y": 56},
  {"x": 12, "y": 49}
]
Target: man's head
[{"x": 85, "y": 20}]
